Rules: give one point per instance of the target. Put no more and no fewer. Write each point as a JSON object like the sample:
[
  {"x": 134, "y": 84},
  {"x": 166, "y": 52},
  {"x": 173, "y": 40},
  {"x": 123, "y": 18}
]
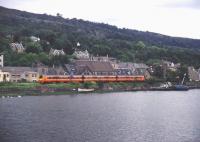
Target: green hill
[{"x": 98, "y": 38}]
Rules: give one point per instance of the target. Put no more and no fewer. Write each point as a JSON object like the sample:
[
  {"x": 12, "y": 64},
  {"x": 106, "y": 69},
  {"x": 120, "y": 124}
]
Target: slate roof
[
  {"x": 95, "y": 66},
  {"x": 17, "y": 70}
]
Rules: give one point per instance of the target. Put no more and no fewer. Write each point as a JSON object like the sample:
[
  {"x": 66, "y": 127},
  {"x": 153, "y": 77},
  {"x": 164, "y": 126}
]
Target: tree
[
  {"x": 62, "y": 42},
  {"x": 140, "y": 45},
  {"x": 181, "y": 71},
  {"x": 59, "y": 15},
  {"x": 59, "y": 60},
  {"x": 17, "y": 38},
  {"x": 33, "y": 47}
]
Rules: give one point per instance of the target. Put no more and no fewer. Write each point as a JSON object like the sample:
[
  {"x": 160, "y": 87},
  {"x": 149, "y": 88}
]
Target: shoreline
[{"x": 43, "y": 90}]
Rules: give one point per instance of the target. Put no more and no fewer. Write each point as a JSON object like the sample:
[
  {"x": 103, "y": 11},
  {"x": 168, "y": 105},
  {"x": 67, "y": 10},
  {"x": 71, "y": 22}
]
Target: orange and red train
[{"x": 90, "y": 78}]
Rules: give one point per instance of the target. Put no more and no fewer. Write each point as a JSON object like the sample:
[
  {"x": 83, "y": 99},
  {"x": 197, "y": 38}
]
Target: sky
[{"x": 179, "y": 18}]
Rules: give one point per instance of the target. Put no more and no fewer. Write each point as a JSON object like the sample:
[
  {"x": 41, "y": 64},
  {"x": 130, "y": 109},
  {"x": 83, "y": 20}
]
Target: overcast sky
[{"x": 170, "y": 17}]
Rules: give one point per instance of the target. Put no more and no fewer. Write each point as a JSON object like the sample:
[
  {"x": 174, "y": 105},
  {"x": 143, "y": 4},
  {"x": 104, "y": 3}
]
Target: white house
[{"x": 35, "y": 39}]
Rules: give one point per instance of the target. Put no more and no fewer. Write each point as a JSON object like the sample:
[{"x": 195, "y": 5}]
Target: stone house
[
  {"x": 171, "y": 66},
  {"x": 17, "y": 47},
  {"x": 56, "y": 52},
  {"x": 81, "y": 54},
  {"x": 103, "y": 58},
  {"x": 194, "y": 75}
]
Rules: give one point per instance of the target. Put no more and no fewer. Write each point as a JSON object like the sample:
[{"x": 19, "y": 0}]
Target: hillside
[{"x": 98, "y": 38}]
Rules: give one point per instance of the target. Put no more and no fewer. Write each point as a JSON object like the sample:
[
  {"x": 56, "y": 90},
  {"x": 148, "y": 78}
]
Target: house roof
[
  {"x": 17, "y": 70},
  {"x": 95, "y": 66},
  {"x": 56, "y": 71},
  {"x": 81, "y": 69},
  {"x": 125, "y": 65}
]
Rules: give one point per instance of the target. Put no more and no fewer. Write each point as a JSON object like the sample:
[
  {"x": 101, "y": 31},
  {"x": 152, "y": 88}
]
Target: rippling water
[{"x": 110, "y": 117}]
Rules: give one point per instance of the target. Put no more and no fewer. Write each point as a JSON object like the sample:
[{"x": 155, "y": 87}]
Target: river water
[{"x": 110, "y": 117}]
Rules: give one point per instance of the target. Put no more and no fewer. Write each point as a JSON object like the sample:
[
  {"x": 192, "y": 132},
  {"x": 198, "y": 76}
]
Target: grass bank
[{"x": 14, "y": 89}]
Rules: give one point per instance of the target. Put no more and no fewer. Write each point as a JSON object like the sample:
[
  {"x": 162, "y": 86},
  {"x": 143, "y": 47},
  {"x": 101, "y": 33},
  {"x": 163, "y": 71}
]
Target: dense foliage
[{"x": 99, "y": 39}]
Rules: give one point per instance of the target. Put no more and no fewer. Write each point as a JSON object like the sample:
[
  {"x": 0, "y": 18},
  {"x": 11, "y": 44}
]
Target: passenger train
[{"x": 89, "y": 78}]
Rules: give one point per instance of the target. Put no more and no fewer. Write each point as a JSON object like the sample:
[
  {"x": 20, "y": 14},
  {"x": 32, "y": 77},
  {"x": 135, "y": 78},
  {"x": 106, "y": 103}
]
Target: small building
[
  {"x": 56, "y": 52},
  {"x": 194, "y": 75},
  {"x": 1, "y": 60},
  {"x": 103, "y": 59},
  {"x": 171, "y": 66},
  {"x": 4, "y": 76},
  {"x": 81, "y": 54},
  {"x": 17, "y": 47}
]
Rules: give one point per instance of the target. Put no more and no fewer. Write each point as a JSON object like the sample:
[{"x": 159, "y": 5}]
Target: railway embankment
[{"x": 13, "y": 89}]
